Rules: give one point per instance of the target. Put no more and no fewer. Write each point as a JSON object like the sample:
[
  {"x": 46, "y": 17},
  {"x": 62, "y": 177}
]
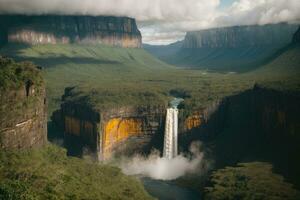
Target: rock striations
[
  {"x": 120, "y": 130},
  {"x": 241, "y": 36},
  {"x": 23, "y": 121},
  {"x": 54, "y": 29}
]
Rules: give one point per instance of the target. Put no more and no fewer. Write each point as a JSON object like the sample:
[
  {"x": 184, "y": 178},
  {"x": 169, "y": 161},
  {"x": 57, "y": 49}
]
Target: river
[{"x": 166, "y": 190}]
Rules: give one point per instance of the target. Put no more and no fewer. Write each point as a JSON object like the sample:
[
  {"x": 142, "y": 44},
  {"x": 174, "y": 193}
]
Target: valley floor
[
  {"x": 106, "y": 77},
  {"x": 115, "y": 76}
]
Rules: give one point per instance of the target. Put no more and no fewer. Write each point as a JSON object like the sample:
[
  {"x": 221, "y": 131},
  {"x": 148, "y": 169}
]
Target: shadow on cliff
[
  {"x": 50, "y": 59},
  {"x": 255, "y": 125}
]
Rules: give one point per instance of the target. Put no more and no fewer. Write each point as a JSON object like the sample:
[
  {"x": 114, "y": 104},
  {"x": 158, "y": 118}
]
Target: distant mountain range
[{"x": 239, "y": 48}]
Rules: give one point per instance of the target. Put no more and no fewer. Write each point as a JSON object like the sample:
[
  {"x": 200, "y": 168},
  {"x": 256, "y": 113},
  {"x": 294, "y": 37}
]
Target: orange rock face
[
  {"x": 117, "y": 130},
  {"x": 193, "y": 121}
]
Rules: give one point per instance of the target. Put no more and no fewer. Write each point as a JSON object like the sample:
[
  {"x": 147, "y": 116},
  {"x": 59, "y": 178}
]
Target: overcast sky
[{"x": 166, "y": 21}]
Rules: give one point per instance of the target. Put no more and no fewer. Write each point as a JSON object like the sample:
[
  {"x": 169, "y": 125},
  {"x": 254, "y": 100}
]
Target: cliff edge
[
  {"x": 296, "y": 38},
  {"x": 241, "y": 36},
  {"x": 23, "y": 121},
  {"x": 57, "y": 29}
]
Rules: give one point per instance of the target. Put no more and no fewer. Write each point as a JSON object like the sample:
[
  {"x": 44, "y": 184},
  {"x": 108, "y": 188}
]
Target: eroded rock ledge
[
  {"x": 125, "y": 130},
  {"x": 23, "y": 121}
]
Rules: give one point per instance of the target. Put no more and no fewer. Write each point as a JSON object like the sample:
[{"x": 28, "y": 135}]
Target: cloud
[
  {"x": 139, "y": 9},
  {"x": 241, "y": 12},
  {"x": 160, "y": 168},
  {"x": 165, "y": 21},
  {"x": 248, "y": 12}
]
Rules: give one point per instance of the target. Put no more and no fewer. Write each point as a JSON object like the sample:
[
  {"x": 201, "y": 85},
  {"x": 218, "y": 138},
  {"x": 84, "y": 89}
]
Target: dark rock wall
[
  {"x": 256, "y": 125},
  {"x": 296, "y": 38},
  {"x": 23, "y": 117},
  {"x": 113, "y": 31},
  {"x": 241, "y": 36},
  {"x": 124, "y": 130}
]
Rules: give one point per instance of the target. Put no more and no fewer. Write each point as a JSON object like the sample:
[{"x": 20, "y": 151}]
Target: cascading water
[
  {"x": 171, "y": 133},
  {"x": 171, "y": 130}
]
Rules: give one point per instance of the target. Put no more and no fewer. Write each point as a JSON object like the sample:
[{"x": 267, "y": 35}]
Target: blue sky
[{"x": 225, "y": 3}]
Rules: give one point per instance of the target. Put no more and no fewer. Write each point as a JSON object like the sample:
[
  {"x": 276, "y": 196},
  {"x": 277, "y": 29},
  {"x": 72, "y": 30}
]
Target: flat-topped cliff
[
  {"x": 23, "y": 121},
  {"x": 230, "y": 49},
  {"x": 121, "y": 129},
  {"x": 55, "y": 29},
  {"x": 241, "y": 36}
]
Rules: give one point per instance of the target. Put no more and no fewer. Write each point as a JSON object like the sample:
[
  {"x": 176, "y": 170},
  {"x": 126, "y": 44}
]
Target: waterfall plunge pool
[{"x": 166, "y": 190}]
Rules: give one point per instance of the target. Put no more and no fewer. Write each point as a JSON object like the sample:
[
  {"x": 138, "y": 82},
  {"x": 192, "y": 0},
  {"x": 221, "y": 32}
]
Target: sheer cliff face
[
  {"x": 296, "y": 38},
  {"x": 113, "y": 31},
  {"x": 124, "y": 130},
  {"x": 242, "y": 36},
  {"x": 23, "y": 121}
]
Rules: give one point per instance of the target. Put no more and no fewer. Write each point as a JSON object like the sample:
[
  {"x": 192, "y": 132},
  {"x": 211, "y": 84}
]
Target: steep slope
[
  {"x": 57, "y": 29},
  {"x": 296, "y": 38},
  {"x": 163, "y": 51},
  {"x": 241, "y": 36},
  {"x": 23, "y": 110},
  {"x": 237, "y": 49},
  {"x": 88, "y": 66},
  {"x": 113, "y": 93},
  {"x": 285, "y": 67},
  {"x": 260, "y": 124}
]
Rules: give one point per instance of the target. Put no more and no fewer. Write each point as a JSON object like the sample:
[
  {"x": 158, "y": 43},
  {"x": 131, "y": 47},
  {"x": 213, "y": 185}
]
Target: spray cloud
[{"x": 161, "y": 168}]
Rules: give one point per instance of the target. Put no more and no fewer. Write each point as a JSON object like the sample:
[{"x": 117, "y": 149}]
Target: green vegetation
[
  {"x": 110, "y": 77},
  {"x": 49, "y": 174},
  {"x": 15, "y": 81},
  {"x": 14, "y": 75},
  {"x": 249, "y": 181},
  {"x": 238, "y": 49},
  {"x": 221, "y": 59},
  {"x": 283, "y": 72},
  {"x": 106, "y": 77}
]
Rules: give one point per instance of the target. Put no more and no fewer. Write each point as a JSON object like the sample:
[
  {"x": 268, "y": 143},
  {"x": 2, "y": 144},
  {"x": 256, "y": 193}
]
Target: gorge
[
  {"x": 110, "y": 100},
  {"x": 229, "y": 49}
]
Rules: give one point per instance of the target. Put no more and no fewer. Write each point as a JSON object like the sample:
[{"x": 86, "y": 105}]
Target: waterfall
[{"x": 171, "y": 133}]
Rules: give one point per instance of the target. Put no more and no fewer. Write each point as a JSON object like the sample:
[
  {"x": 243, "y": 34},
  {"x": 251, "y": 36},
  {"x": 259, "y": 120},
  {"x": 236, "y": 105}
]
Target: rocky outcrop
[
  {"x": 124, "y": 130},
  {"x": 23, "y": 121},
  {"x": 296, "y": 38},
  {"x": 241, "y": 36},
  {"x": 257, "y": 124},
  {"x": 113, "y": 31}
]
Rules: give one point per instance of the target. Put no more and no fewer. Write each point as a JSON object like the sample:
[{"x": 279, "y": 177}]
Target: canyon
[
  {"x": 120, "y": 130},
  {"x": 89, "y": 112},
  {"x": 124, "y": 130},
  {"x": 59, "y": 29},
  {"x": 249, "y": 125},
  {"x": 257, "y": 124},
  {"x": 23, "y": 110},
  {"x": 229, "y": 49}
]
